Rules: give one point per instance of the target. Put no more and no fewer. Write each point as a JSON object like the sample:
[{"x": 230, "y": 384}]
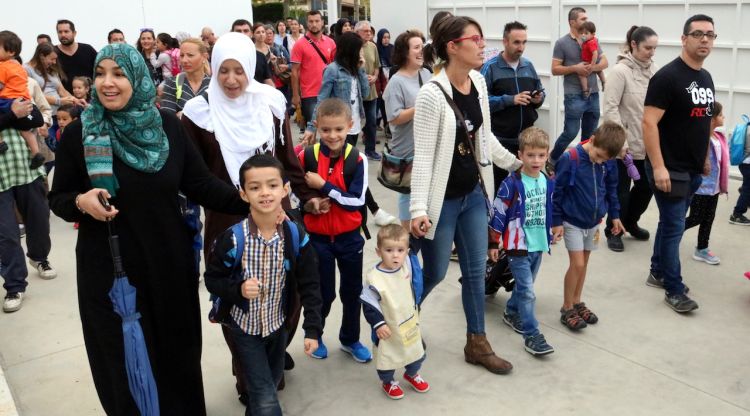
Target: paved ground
[{"x": 640, "y": 359}]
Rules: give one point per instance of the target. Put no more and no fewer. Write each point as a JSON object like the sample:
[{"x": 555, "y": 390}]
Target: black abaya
[{"x": 157, "y": 252}]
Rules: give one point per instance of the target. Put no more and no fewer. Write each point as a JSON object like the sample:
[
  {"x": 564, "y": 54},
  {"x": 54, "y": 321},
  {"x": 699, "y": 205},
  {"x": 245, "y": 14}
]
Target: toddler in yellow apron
[{"x": 390, "y": 297}]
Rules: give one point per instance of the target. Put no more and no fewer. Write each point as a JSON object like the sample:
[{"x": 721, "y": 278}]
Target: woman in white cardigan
[{"x": 448, "y": 203}]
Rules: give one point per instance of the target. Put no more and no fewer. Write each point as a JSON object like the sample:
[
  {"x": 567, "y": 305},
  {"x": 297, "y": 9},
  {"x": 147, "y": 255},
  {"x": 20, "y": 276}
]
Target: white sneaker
[
  {"x": 44, "y": 269},
  {"x": 382, "y": 217},
  {"x": 12, "y": 302}
]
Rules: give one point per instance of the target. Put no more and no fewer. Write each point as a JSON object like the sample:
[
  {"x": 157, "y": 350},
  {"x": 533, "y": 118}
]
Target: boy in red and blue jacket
[
  {"x": 585, "y": 190},
  {"x": 521, "y": 224},
  {"x": 338, "y": 170}
]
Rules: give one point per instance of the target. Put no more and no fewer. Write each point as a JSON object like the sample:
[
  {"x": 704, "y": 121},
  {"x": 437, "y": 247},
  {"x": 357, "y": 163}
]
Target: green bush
[{"x": 269, "y": 12}]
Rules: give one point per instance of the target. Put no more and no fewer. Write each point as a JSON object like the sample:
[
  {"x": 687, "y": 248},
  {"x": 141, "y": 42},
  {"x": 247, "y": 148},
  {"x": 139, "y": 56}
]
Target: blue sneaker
[
  {"x": 513, "y": 321},
  {"x": 322, "y": 351},
  {"x": 537, "y": 345},
  {"x": 359, "y": 352}
]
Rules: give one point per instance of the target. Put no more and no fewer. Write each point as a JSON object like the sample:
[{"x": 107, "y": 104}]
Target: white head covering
[{"x": 244, "y": 124}]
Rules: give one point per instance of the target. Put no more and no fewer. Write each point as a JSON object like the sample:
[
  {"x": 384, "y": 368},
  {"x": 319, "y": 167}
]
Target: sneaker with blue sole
[
  {"x": 359, "y": 352},
  {"x": 322, "y": 352}
]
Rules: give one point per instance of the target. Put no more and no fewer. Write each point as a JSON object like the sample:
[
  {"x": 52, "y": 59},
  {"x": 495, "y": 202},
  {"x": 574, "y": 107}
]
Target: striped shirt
[
  {"x": 263, "y": 259},
  {"x": 14, "y": 163},
  {"x": 169, "y": 99}
]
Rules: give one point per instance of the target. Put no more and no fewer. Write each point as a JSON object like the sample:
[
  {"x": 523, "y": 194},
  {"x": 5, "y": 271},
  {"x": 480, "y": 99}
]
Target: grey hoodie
[{"x": 627, "y": 82}]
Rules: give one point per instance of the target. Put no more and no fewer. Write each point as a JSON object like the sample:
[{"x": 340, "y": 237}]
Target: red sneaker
[
  {"x": 393, "y": 390},
  {"x": 418, "y": 383},
  {"x": 75, "y": 225},
  {"x": 747, "y": 275}
]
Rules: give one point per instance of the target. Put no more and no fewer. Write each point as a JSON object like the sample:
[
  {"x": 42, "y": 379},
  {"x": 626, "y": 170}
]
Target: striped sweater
[{"x": 434, "y": 143}]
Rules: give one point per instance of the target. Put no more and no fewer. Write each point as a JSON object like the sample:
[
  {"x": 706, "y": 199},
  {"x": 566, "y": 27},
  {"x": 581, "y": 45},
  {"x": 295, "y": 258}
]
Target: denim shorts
[{"x": 580, "y": 239}]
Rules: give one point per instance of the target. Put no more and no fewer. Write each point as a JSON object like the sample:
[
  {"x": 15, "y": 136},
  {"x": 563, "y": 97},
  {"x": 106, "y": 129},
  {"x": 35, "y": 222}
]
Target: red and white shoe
[
  {"x": 393, "y": 390},
  {"x": 418, "y": 383}
]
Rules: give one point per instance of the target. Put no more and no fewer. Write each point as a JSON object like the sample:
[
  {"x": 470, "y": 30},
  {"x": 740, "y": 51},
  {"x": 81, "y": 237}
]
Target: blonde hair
[
  {"x": 202, "y": 48},
  {"x": 392, "y": 232},
  {"x": 533, "y": 137}
]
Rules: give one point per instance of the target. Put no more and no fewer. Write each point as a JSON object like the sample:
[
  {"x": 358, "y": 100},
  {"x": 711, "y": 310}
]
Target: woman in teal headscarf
[{"x": 138, "y": 157}]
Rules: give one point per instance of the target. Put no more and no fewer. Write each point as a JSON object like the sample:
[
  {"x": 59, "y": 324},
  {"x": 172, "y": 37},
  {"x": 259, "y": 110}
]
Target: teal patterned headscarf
[{"x": 134, "y": 134}]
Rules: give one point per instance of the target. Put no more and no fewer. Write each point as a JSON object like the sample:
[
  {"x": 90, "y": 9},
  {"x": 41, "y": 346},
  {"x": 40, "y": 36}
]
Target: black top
[
  {"x": 262, "y": 72},
  {"x": 687, "y": 98},
  {"x": 80, "y": 64},
  {"x": 464, "y": 173}
]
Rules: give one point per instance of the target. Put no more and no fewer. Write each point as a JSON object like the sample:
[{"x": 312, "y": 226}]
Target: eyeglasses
[
  {"x": 697, "y": 34},
  {"x": 475, "y": 38}
]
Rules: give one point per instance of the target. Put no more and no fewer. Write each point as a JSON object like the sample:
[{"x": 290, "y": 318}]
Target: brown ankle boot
[{"x": 478, "y": 351}]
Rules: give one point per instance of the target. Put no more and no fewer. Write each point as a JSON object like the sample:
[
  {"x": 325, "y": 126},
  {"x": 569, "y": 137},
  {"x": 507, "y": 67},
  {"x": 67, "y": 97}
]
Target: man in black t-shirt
[
  {"x": 76, "y": 59},
  {"x": 676, "y": 129}
]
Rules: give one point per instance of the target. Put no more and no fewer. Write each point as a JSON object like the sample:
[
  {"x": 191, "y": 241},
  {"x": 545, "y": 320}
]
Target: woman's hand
[
  {"x": 420, "y": 226},
  {"x": 89, "y": 203}
]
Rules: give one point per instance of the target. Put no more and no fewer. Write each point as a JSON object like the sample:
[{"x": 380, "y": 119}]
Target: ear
[
  {"x": 351, "y": 124},
  {"x": 287, "y": 189},
  {"x": 243, "y": 195}
]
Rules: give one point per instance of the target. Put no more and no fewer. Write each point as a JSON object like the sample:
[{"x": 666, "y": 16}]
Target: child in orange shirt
[{"x": 14, "y": 85}]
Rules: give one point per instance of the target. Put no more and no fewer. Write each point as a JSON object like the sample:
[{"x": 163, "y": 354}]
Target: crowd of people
[{"x": 176, "y": 123}]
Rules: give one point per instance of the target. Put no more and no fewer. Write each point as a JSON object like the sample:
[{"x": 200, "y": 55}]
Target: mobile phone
[
  {"x": 536, "y": 92},
  {"x": 105, "y": 203}
]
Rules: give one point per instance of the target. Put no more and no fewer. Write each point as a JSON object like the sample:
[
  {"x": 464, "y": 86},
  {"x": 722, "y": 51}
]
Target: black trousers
[
  {"x": 633, "y": 200},
  {"x": 702, "y": 213}
]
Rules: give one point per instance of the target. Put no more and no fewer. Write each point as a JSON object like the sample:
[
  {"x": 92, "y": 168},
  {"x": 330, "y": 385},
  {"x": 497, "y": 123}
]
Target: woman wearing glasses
[{"x": 452, "y": 174}]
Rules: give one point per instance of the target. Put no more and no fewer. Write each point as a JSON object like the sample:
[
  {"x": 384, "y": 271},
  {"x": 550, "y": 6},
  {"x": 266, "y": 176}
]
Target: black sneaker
[
  {"x": 638, "y": 233},
  {"x": 739, "y": 220},
  {"x": 537, "y": 345},
  {"x": 614, "y": 243},
  {"x": 654, "y": 281},
  {"x": 680, "y": 303},
  {"x": 513, "y": 321},
  {"x": 3, "y": 147},
  {"x": 288, "y": 362}
]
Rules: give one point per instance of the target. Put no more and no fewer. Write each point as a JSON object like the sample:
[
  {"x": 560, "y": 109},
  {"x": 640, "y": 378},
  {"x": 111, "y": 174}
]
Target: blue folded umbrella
[{"x": 140, "y": 377}]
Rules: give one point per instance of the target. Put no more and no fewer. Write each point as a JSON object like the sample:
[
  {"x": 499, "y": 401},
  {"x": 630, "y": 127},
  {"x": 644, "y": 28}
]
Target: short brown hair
[
  {"x": 718, "y": 108},
  {"x": 334, "y": 107},
  {"x": 10, "y": 42},
  {"x": 609, "y": 137},
  {"x": 393, "y": 232},
  {"x": 533, "y": 137}
]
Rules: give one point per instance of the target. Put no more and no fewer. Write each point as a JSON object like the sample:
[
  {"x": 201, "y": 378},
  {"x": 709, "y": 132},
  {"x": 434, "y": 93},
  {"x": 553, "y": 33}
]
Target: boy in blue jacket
[
  {"x": 521, "y": 224},
  {"x": 585, "y": 191}
]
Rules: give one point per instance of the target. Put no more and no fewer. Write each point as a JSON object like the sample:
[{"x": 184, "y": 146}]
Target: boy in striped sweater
[{"x": 521, "y": 225}]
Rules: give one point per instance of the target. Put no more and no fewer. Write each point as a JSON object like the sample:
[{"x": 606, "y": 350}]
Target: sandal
[
  {"x": 585, "y": 313},
  {"x": 571, "y": 319}
]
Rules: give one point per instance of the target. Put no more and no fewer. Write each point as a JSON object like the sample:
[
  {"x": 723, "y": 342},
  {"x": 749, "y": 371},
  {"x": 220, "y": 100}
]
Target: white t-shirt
[{"x": 355, "y": 100}]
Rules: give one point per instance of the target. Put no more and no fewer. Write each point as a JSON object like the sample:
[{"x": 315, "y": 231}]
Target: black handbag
[{"x": 680, "y": 184}]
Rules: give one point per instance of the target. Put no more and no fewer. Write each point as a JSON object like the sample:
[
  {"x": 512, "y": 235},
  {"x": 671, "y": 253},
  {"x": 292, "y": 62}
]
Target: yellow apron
[{"x": 402, "y": 317}]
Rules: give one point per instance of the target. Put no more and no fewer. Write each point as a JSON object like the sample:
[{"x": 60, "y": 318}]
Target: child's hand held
[
  {"x": 383, "y": 332},
  {"x": 493, "y": 254}
]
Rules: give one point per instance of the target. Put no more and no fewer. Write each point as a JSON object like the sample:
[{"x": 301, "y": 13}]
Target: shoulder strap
[
  {"x": 573, "y": 151},
  {"x": 239, "y": 236},
  {"x": 310, "y": 41},
  {"x": 178, "y": 82},
  {"x": 419, "y": 75},
  {"x": 462, "y": 122}
]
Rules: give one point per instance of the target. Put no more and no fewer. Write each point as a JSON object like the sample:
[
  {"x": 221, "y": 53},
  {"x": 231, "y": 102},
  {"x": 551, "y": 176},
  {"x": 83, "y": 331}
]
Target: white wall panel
[{"x": 547, "y": 21}]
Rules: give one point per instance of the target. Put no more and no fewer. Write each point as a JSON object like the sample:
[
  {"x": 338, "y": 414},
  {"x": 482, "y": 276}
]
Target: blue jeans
[
  {"x": 368, "y": 133},
  {"x": 463, "y": 220},
  {"x": 262, "y": 366},
  {"x": 665, "y": 261},
  {"x": 743, "y": 201},
  {"x": 346, "y": 251},
  {"x": 386, "y": 376},
  {"x": 522, "y": 301},
  {"x": 580, "y": 113}
]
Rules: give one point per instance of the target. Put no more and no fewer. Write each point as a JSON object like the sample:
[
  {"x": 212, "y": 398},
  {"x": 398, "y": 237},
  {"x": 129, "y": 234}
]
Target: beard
[
  {"x": 314, "y": 32},
  {"x": 66, "y": 41}
]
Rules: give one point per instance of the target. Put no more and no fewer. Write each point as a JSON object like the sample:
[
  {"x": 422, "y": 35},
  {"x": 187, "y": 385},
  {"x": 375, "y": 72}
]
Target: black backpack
[{"x": 497, "y": 275}]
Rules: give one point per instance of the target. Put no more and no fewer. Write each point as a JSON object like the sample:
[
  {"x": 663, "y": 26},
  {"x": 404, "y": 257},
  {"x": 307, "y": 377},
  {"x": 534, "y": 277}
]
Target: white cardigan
[{"x": 434, "y": 143}]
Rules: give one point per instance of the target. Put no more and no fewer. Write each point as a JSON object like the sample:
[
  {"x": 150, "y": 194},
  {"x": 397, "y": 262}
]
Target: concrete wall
[
  {"x": 94, "y": 19},
  {"x": 547, "y": 21}
]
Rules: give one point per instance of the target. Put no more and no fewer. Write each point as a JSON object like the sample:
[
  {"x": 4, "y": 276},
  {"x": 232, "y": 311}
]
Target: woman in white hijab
[{"x": 236, "y": 118}]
